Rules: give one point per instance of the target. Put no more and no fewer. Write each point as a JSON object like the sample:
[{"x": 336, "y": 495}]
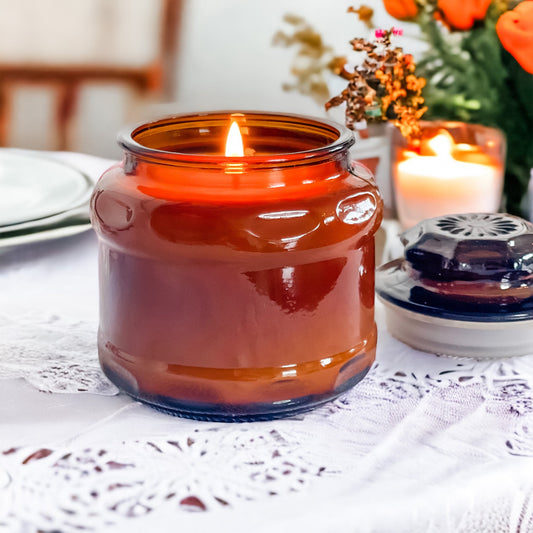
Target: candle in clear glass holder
[
  {"x": 456, "y": 168},
  {"x": 236, "y": 287}
]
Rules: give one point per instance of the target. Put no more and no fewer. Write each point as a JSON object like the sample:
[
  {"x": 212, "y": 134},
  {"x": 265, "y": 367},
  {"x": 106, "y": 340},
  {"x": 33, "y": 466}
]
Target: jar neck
[
  {"x": 280, "y": 153},
  {"x": 236, "y": 181}
]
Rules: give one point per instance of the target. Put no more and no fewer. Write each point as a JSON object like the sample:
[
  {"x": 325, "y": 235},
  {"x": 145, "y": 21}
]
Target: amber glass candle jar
[{"x": 236, "y": 288}]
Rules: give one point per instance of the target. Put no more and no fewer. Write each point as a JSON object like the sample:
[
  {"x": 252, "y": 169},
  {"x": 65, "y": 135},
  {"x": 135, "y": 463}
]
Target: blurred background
[{"x": 72, "y": 74}]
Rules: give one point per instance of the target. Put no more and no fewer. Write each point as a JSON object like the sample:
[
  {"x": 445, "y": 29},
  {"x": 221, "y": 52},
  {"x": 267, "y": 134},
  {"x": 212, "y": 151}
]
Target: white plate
[
  {"x": 33, "y": 188},
  {"x": 54, "y": 227}
]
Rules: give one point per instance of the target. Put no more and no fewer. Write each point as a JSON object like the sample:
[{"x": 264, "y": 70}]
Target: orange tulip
[
  {"x": 461, "y": 14},
  {"x": 401, "y": 9},
  {"x": 515, "y": 30}
]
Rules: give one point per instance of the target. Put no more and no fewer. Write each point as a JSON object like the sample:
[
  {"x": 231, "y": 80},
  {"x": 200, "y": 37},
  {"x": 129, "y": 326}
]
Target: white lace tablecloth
[{"x": 422, "y": 444}]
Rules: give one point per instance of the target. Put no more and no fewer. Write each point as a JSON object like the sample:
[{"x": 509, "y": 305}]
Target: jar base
[{"x": 216, "y": 412}]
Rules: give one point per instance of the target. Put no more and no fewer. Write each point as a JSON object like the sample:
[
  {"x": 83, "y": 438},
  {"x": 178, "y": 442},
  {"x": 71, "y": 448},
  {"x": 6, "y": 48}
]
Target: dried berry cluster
[{"x": 384, "y": 87}]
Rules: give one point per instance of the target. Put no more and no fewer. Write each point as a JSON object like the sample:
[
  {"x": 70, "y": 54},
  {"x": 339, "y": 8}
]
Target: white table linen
[{"x": 423, "y": 443}]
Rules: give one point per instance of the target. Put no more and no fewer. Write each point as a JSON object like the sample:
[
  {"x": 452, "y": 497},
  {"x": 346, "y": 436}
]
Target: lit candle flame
[
  {"x": 234, "y": 146},
  {"x": 442, "y": 144}
]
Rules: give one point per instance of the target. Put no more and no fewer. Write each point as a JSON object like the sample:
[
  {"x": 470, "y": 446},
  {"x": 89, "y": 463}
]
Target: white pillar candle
[{"x": 433, "y": 185}]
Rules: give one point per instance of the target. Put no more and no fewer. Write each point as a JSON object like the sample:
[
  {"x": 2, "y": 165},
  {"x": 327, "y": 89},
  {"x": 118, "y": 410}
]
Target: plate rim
[{"x": 78, "y": 203}]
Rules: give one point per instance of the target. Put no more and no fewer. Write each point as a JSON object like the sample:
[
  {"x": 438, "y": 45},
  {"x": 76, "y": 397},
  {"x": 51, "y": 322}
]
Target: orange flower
[
  {"x": 461, "y": 14},
  {"x": 401, "y": 9},
  {"x": 515, "y": 30}
]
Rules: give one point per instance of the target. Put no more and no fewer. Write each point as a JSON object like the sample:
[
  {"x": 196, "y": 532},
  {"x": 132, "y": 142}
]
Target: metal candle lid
[{"x": 463, "y": 287}]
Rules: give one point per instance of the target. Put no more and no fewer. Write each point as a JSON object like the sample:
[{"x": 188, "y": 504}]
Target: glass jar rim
[{"x": 340, "y": 139}]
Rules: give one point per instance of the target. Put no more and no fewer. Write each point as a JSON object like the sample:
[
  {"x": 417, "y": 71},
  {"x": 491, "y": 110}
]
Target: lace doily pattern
[
  {"x": 52, "y": 353},
  {"x": 88, "y": 489},
  {"x": 437, "y": 407}
]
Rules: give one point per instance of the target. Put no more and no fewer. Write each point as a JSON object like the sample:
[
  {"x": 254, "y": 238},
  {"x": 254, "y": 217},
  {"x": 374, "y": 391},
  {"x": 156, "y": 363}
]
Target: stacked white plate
[{"x": 40, "y": 198}]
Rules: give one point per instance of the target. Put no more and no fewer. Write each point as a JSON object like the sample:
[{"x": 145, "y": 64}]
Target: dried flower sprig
[
  {"x": 364, "y": 13},
  {"x": 312, "y": 59},
  {"x": 384, "y": 87}
]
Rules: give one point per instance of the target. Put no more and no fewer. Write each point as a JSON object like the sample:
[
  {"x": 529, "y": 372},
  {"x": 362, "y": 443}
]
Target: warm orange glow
[
  {"x": 234, "y": 146},
  {"x": 437, "y": 182},
  {"x": 441, "y": 145}
]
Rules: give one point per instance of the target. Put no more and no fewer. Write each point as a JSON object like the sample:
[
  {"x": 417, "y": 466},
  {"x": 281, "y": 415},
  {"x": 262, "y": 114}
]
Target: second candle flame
[{"x": 234, "y": 146}]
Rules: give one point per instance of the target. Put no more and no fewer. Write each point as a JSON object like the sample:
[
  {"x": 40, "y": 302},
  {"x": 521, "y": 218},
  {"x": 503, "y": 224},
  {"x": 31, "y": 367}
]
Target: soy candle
[
  {"x": 236, "y": 280},
  {"x": 457, "y": 168}
]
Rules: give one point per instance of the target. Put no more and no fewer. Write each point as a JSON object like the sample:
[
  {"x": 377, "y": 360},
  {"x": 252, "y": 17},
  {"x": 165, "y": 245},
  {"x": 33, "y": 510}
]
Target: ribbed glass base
[{"x": 219, "y": 412}]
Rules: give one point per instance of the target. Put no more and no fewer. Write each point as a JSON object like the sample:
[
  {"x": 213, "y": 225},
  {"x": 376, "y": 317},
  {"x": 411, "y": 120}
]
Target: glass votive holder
[{"x": 454, "y": 168}]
